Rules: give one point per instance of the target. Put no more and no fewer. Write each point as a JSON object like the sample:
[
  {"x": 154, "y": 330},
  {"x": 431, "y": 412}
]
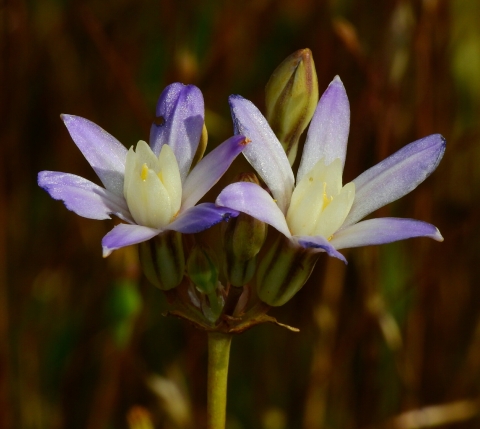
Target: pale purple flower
[
  {"x": 319, "y": 212},
  {"x": 152, "y": 188}
]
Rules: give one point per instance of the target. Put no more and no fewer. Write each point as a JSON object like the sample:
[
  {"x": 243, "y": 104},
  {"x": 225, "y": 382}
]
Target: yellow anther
[
  {"x": 326, "y": 200},
  {"x": 144, "y": 173}
]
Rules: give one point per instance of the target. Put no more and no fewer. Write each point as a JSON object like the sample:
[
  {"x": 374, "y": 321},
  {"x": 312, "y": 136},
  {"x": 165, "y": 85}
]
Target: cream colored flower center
[
  {"x": 319, "y": 203},
  {"x": 152, "y": 186}
]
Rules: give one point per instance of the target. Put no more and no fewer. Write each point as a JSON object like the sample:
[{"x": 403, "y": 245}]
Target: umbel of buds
[
  {"x": 244, "y": 237},
  {"x": 291, "y": 96}
]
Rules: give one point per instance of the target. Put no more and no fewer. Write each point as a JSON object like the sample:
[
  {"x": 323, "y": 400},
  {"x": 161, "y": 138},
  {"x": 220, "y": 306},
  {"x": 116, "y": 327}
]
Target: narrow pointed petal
[
  {"x": 200, "y": 218},
  {"x": 383, "y": 230},
  {"x": 210, "y": 169},
  {"x": 103, "y": 152},
  {"x": 181, "y": 110},
  {"x": 125, "y": 235},
  {"x": 250, "y": 198},
  {"x": 319, "y": 242},
  {"x": 328, "y": 132},
  {"x": 265, "y": 152},
  {"x": 83, "y": 197},
  {"x": 395, "y": 176}
]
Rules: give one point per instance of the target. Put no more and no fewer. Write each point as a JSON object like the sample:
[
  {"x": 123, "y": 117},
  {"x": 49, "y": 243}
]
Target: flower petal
[
  {"x": 125, "y": 235},
  {"x": 383, "y": 230},
  {"x": 328, "y": 132},
  {"x": 319, "y": 242},
  {"x": 147, "y": 199},
  {"x": 200, "y": 218},
  {"x": 103, "y": 152},
  {"x": 331, "y": 219},
  {"x": 252, "y": 199},
  {"x": 395, "y": 176},
  {"x": 83, "y": 197},
  {"x": 170, "y": 177},
  {"x": 265, "y": 152},
  {"x": 181, "y": 110},
  {"x": 209, "y": 170}
]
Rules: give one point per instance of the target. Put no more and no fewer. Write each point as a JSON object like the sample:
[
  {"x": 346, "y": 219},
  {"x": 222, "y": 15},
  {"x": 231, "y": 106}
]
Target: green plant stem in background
[{"x": 218, "y": 356}]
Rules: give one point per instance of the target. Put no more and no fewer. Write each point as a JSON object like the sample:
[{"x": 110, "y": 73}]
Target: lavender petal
[
  {"x": 319, "y": 242},
  {"x": 180, "y": 111},
  {"x": 125, "y": 235},
  {"x": 328, "y": 132},
  {"x": 209, "y": 170},
  {"x": 103, "y": 152},
  {"x": 200, "y": 218},
  {"x": 383, "y": 230},
  {"x": 395, "y": 176},
  {"x": 264, "y": 153},
  {"x": 83, "y": 197},
  {"x": 250, "y": 198}
]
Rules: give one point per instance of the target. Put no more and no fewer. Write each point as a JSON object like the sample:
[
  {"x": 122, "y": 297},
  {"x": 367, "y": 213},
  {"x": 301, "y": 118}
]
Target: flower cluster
[{"x": 155, "y": 189}]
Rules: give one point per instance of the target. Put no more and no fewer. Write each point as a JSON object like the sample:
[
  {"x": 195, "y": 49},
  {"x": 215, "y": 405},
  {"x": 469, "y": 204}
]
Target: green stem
[{"x": 218, "y": 356}]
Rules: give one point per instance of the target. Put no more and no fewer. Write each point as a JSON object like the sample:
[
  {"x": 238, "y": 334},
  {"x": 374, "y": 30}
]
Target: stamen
[
  {"x": 144, "y": 173},
  {"x": 326, "y": 200}
]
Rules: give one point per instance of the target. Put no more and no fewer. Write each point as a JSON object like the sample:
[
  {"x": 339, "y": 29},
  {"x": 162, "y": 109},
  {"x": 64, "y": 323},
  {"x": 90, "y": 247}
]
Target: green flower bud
[
  {"x": 202, "y": 269},
  {"x": 283, "y": 271},
  {"x": 243, "y": 239},
  {"x": 162, "y": 259},
  {"x": 291, "y": 98}
]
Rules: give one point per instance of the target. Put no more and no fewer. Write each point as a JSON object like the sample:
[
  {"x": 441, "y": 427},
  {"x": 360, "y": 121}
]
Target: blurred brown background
[{"x": 390, "y": 341}]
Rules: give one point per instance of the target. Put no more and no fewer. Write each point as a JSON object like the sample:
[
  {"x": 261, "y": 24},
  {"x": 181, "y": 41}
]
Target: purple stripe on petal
[
  {"x": 103, "y": 152},
  {"x": 383, "y": 230},
  {"x": 395, "y": 176},
  {"x": 200, "y": 218},
  {"x": 265, "y": 152},
  {"x": 328, "y": 132},
  {"x": 250, "y": 198},
  {"x": 83, "y": 197},
  {"x": 180, "y": 110},
  {"x": 319, "y": 242},
  {"x": 125, "y": 235},
  {"x": 209, "y": 170}
]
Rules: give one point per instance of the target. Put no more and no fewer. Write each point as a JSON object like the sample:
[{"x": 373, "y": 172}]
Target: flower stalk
[{"x": 218, "y": 358}]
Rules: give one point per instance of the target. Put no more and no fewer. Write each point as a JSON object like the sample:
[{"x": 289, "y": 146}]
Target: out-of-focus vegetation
[{"x": 390, "y": 341}]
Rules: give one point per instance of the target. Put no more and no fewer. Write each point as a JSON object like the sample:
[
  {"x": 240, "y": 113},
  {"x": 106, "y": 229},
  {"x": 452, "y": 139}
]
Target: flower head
[
  {"x": 319, "y": 212},
  {"x": 153, "y": 188}
]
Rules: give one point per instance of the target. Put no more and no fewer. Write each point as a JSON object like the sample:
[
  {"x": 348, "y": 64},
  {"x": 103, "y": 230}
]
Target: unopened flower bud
[
  {"x": 162, "y": 260},
  {"x": 283, "y": 271},
  {"x": 202, "y": 269},
  {"x": 291, "y": 98},
  {"x": 243, "y": 239}
]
